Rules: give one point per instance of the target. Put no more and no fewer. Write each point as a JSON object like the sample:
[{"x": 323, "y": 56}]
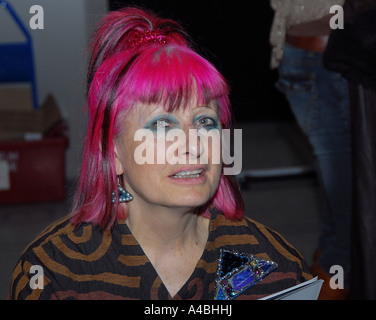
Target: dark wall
[{"x": 235, "y": 37}]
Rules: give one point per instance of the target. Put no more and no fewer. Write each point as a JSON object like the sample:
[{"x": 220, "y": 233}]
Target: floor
[{"x": 278, "y": 184}]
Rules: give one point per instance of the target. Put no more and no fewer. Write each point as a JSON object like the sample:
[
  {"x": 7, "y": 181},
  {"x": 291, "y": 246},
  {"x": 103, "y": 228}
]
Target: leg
[{"x": 319, "y": 101}]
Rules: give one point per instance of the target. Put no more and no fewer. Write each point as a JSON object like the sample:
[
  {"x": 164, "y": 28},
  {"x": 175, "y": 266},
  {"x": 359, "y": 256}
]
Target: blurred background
[{"x": 40, "y": 150}]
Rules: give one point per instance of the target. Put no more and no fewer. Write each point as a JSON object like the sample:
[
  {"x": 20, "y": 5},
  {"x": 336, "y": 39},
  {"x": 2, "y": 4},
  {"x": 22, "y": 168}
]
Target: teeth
[{"x": 188, "y": 174}]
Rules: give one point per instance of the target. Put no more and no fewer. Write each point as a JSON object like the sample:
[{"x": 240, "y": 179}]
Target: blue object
[
  {"x": 124, "y": 196},
  {"x": 17, "y": 59},
  {"x": 239, "y": 271}
]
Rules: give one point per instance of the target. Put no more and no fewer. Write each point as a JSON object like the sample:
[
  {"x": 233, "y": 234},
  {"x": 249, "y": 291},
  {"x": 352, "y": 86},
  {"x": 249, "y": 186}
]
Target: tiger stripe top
[{"x": 88, "y": 263}]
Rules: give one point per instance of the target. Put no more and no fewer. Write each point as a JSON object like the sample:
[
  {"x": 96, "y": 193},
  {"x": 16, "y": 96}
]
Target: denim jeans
[{"x": 320, "y": 102}]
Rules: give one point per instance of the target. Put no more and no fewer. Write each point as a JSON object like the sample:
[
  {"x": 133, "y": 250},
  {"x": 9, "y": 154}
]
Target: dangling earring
[{"x": 124, "y": 196}]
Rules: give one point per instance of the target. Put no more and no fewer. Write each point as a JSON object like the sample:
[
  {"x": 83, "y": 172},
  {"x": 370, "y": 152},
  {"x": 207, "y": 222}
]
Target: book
[{"x": 308, "y": 290}]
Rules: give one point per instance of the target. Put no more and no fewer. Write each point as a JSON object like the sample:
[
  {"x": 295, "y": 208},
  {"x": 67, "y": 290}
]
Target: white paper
[
  {"x": 4, "y": 175},
  {"x": 308, "y": 290}
]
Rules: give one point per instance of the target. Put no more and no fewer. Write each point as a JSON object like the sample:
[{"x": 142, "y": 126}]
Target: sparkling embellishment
[
  {"x": 239, "y": 271},
  {"x": 148, "y": 36},
  {"x": 124, "y": 196}
]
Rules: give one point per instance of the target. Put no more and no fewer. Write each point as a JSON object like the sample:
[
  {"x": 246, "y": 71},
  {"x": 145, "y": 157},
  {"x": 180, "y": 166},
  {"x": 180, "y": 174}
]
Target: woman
[{"x": 155, "y": 229}]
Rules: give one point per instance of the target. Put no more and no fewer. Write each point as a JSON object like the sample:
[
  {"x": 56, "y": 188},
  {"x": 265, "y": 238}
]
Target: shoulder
[
  {"x": 59, "y": 249},
  {"x": 248, "y": 229},
  {"x": 276, "y": 244},
  {"x": 248, "y": 235},
  {"x": 63, "y": 235}
]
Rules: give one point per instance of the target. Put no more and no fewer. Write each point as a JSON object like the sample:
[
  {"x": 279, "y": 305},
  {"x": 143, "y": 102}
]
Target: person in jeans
[{"x": 320, "y": 102}]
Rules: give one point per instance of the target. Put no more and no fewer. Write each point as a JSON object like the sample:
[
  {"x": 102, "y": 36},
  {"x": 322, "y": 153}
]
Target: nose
[
  {"x": 188, "y": 148},
  {"x": 194, "y": 148}
]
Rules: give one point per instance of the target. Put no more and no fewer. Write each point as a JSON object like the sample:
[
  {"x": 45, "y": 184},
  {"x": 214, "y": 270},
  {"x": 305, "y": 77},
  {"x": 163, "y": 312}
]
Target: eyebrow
[{"x": 206, "y": 107}]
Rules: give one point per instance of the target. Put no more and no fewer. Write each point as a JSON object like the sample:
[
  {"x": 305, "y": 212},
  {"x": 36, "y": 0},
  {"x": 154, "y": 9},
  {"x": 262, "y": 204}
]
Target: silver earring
[{"x": 124, "y": 196}]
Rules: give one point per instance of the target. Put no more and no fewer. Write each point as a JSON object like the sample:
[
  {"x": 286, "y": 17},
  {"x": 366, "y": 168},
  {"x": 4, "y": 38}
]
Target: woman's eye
[
  {"x": 206, "y": 123},
  {"x": 160, "y": 124}
]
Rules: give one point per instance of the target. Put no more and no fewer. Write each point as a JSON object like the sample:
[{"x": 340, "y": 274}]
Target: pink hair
[{"x": 120, "y": 75}]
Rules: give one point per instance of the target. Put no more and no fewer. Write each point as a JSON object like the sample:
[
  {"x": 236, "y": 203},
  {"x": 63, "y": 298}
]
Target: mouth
[{"x": 188, "y": 174}]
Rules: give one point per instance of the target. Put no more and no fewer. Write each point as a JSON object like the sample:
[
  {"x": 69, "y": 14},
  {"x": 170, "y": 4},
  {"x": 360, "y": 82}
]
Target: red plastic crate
[{"x": 36, "y": 170}]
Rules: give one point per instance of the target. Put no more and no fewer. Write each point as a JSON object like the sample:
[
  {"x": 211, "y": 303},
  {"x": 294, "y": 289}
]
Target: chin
[{"x": 192, "y": 201}]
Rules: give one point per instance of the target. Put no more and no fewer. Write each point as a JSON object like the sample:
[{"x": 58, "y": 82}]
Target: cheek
[
  {"x": 160, "y": 147},
  {"x": 140, "y": 160},
  {"x": 210, "y": 144},
  {"x": 148, "y": 148},
  {"x": 217, "y": 170},
  {"x": 215, "y": 150}
]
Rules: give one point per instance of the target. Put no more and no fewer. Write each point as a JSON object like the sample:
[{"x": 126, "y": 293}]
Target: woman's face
[{"x": 182, "y": 167}]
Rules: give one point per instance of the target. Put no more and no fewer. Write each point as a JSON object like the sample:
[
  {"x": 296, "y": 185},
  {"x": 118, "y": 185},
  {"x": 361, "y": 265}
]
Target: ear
[{"x": 118, "y": 165}]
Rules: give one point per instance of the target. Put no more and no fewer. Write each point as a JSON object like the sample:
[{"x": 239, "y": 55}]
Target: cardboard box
[
  {"x": 32, "y": 148},
  {"x": 15, "y": 97},
  {"x": 18, "y": 119}
]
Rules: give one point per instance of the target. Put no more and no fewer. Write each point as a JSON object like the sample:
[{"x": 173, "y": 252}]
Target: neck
[{"x": 161, "y": 229}]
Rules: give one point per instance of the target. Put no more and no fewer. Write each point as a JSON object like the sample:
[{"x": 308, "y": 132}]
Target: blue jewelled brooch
[{"x": 239, "y": 271}]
